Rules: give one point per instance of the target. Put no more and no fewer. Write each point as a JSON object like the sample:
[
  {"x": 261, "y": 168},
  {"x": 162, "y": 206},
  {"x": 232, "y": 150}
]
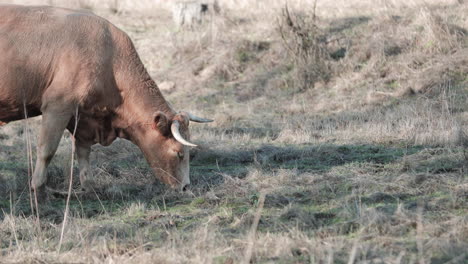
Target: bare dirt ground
[{"x": 340, "y": 136}]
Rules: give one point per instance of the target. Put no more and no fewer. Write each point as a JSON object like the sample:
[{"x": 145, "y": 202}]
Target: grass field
[{"x": 340, "y": 136}]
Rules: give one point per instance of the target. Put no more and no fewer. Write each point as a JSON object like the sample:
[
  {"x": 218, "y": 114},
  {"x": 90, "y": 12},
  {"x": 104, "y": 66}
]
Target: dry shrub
[
  {"x": 438, "y": 53},
  {"x": 434, "y": 34},
  {"x": 439, "y": 71},
  {"x": 417, "y": 51},
  {"x": 306, "y": 44}
]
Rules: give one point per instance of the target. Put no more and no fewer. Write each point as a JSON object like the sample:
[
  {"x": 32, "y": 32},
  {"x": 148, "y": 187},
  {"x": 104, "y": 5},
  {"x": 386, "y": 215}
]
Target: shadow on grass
[
  {"x": 207, "y": 169},
  {"x": 123, "y": 210},
  {"x": 304, "y": 158}
]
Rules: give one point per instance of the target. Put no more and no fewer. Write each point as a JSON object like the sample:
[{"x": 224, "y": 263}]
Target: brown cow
[{"x": 69, "y": 65}]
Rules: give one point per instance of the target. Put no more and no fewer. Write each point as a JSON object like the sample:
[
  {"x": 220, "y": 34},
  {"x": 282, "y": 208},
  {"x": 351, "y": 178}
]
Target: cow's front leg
[
  {"x": 83, "y": 151},
  {"x": 53, "y": 125}
]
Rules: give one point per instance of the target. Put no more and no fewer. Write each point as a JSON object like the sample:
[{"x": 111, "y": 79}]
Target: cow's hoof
[{"x": 40, "y": 196}]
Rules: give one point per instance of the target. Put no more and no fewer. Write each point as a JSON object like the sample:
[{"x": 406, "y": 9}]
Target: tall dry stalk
[
  {"x": 67, "y": 206},
  {"x": 419, "y": 235},
  {"x": 253, "y": 229},
  {"x": 28, "y": 152},
  {"x": 30, "y": 166}
]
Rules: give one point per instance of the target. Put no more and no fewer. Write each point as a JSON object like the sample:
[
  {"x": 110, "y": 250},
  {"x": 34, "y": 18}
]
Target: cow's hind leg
[
  {"x": 83, "y": 151},
  {"x": 53, "y": 125}
]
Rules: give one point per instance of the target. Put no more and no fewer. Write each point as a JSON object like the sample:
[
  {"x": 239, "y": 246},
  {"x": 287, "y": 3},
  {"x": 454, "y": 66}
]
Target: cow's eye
[{"x": 180, "y": 155}]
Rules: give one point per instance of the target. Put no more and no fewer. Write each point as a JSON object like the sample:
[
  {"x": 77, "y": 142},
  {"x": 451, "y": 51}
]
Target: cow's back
[{"x": 51, "y": 51}]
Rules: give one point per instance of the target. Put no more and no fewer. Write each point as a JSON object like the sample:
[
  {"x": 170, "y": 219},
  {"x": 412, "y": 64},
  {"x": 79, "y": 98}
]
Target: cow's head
[{"x": 165, "y": 144}]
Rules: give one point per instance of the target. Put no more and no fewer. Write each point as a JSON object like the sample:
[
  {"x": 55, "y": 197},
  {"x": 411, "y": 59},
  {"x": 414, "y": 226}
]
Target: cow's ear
[{"x": 160, "y": 123}]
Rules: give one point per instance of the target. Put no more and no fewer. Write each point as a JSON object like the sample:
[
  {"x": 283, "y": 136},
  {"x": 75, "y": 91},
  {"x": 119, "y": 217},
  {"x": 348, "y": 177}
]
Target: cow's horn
[
  {"x": 198, "y": 119},
  {"x": 176, "y": 133}
]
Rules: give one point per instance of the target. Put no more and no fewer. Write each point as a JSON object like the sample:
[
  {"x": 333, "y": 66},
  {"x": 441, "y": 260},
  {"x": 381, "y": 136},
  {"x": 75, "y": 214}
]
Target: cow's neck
[
  {"x": 141, "y": 102},
  {"x": 141, "y": 97}
]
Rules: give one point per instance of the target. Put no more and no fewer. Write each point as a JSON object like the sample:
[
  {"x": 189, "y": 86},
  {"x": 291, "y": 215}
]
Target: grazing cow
[{"x": 73, "y": 66}]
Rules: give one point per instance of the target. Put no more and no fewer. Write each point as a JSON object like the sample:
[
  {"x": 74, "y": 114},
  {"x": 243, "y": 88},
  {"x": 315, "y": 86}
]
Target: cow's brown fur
[{"x": 58, "y": 62}]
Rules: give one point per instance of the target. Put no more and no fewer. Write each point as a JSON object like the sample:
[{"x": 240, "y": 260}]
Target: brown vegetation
[{"x": 351, "y": 117}]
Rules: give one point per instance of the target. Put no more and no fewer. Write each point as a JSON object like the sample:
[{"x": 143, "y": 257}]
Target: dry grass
[{"x": 364, "y": 162}]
